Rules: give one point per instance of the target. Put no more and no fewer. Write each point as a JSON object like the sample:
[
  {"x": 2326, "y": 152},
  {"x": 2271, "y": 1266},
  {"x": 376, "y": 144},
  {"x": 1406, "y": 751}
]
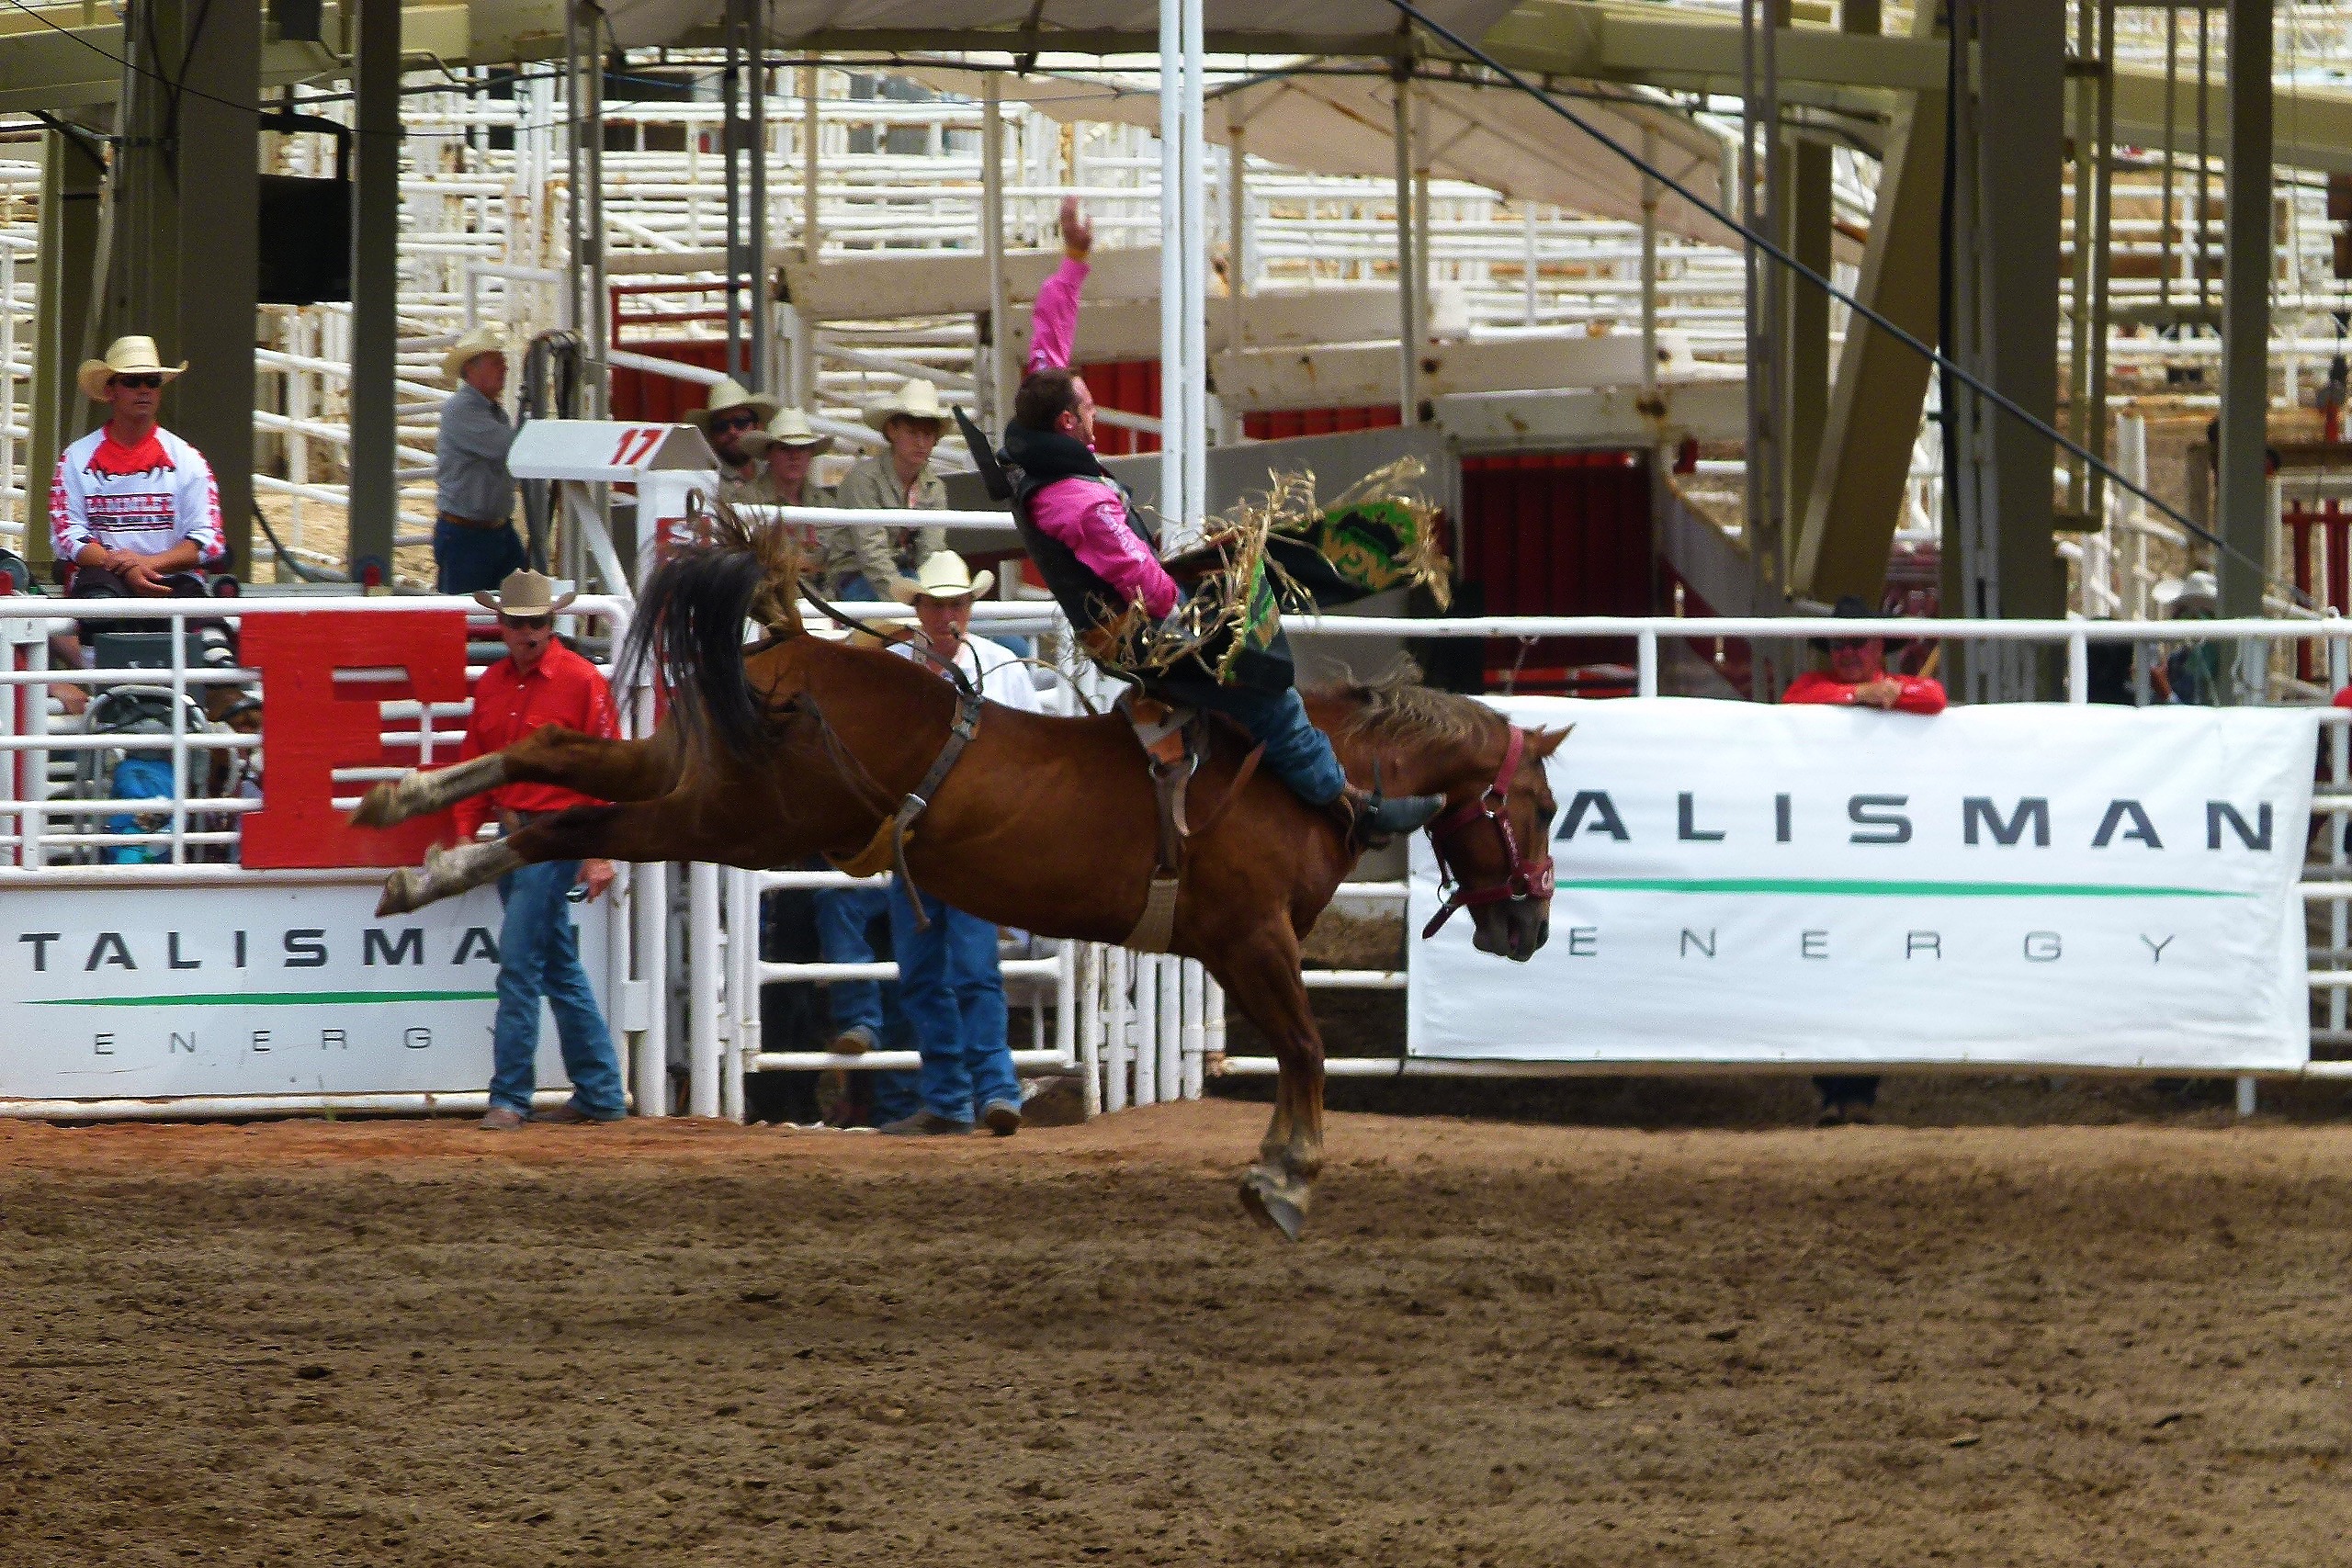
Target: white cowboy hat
[
  {"x": 944, "y": 575},
  {"x": 525, "y": 592},
  {"x": 789, "y": 428},
  {"x": 2176, "y": 595},
  {"x": 730, "y": 393},
  {"x": 488, "y": 338},
  {"x": 125, "y": 357},
  {"x": 915, "y": 398}
]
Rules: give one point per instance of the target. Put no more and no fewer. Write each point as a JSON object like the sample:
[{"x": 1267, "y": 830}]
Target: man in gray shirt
[{"x": 474, "y": 542}]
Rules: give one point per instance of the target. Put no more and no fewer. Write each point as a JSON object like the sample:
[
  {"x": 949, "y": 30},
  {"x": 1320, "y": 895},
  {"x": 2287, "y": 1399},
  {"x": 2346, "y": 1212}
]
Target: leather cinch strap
[{"x": 889, "y": 845}]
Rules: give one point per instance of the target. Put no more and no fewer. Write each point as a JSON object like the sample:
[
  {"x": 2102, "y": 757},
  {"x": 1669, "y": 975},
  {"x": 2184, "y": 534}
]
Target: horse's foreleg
[
  {"x": 608, "y": 770},
  {"x": 1261, "y": 978}
]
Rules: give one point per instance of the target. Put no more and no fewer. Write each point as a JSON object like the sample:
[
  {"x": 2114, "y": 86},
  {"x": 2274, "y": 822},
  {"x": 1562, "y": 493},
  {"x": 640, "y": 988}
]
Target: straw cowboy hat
[
  {"x": 488, "y": 338},
  {"x": 944, "y": 575},
  {"x": 916, "y": 399},
  {"x": 789, "y": 428},
  {"x": 125, "y": 357},
  {"x": 525, "y": 592},
  {"x": 730, "y": 393}
]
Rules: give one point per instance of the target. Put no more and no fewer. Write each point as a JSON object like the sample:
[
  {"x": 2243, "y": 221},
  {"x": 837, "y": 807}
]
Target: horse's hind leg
[
  {"x": 1261, "y": 978},
  {"x": 638, "y": 831},
  {"x": 608, "y": 770}
]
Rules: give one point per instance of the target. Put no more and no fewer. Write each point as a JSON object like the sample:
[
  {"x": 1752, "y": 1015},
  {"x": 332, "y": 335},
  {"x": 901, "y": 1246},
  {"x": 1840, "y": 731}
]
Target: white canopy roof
[
  {"x": 1493, "y": 136},
  {"x": 644, "y": 23}
]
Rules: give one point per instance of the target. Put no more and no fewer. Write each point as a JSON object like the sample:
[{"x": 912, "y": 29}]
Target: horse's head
[{"x": 1494, "y": 844}]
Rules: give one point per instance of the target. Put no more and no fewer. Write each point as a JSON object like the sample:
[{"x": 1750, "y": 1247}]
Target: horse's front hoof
[
  {"x": 1275, "y": 1202},
  {"x": 380, "y": 808}
]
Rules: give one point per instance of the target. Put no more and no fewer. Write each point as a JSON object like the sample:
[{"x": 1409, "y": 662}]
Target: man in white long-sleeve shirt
[
  {"x": 950, "y": 985},
  {"x": 132, "y": 508}
]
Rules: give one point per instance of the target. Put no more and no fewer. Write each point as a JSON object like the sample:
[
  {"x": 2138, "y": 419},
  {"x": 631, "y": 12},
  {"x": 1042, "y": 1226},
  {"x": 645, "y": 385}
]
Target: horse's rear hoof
[
  {"x": 1261, "y": 1196},
  {"x": 403, "y": 891},
  {"x": 377, "y": 809}
]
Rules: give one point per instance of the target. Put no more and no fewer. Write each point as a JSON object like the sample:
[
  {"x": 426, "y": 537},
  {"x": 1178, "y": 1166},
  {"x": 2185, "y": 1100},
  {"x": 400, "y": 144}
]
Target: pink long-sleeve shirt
[{"x": 1088, "y": 515}]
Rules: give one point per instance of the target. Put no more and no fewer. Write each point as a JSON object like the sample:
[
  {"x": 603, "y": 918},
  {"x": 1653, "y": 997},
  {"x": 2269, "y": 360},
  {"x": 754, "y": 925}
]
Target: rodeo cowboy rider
[{"x": 1076, "y": 522}]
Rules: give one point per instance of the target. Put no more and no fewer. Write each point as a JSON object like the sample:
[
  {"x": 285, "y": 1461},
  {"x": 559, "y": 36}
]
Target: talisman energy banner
[
  {"x": 265, "y": 987},
  {"x": 2018, "y": 884}
]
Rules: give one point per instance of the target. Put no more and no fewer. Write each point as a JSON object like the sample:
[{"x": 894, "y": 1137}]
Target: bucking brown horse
[{"x": 798, "y": 745}]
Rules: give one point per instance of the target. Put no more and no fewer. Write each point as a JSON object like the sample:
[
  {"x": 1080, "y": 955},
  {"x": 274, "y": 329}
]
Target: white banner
[
  {"x": 2021, "y": 884},
  {"x": 272, "y": 988}
]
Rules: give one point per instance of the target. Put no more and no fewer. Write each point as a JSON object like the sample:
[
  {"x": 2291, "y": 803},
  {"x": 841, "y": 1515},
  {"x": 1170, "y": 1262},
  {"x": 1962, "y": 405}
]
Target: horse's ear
[{"x": 1543, "y": 742}]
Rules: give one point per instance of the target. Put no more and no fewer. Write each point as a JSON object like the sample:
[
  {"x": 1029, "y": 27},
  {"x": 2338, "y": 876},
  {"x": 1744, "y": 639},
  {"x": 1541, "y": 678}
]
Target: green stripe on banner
[
  {"x": 266, "y": 999},
  {"x": 1838, "y": 888}
]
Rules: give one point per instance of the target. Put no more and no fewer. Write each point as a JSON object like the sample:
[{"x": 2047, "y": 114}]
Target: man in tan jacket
[{"x": 881, "y": 562}]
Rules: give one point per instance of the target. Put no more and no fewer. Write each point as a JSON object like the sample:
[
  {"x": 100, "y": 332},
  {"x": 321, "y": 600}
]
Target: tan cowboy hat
[
  {"x": 488, "y": 338},
  {"x": 125, "y": 357},
  {"x": 525, "y": 592},
  {"x": 944, "y": 575},
  {"x": 915, "y": 398},
  {"x": 789, "y": 428},
  {"x": 730, "y": 393}
]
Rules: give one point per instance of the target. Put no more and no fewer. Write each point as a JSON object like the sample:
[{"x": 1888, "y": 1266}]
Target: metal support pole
[
  {"x": 2239, "y": 515},
  {"x": 731, "y": 155},
  {"x": 588, "y": 197},
  {"x": 375, "y": 293},
  {"x": 704, "y": 989},
  {"x": 1649, "y": 266},
  {"x": 757, "y": 303},
  {"x": 1193, "y": 172},
  {"x": 1236, "y": 228},
  {"x": 1408, "y": 355},
  {"x": 812, "y": 238},
  {"x": 995, "y": 377},
  {"x": 1174, "y": 505}
]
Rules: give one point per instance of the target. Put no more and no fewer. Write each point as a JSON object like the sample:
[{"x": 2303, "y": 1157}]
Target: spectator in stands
[
  {"x": 474, "y": 542},
  {"x": 2191, "y": 674},
  {"x": 133, "y": 509},
  {"x": 733, "y": 412},
  {"x": 949, "y": 981},
  {"x": 1858, "y": 677},
  {"x": 541, "y": 681},
  {"x": 881, "y": 563},
  {"x": 791, "y": 450}
]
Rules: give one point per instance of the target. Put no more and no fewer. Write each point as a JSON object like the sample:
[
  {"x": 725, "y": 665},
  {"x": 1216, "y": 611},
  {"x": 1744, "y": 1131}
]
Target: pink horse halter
[{"x": 1530, "y": 877}]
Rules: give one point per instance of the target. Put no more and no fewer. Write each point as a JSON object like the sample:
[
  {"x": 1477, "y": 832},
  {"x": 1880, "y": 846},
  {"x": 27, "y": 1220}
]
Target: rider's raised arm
[{"x": 1053, "y": 326}]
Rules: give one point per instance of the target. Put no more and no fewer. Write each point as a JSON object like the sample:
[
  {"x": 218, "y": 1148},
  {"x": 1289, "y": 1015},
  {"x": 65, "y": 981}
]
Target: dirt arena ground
[{"x": 412, "y": 1343}]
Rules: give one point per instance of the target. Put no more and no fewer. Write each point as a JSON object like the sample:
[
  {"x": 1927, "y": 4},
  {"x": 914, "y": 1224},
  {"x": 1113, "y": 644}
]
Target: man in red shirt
[
  {"x": 1857, "y": 677},
  {"x": 541, "y": 681}
]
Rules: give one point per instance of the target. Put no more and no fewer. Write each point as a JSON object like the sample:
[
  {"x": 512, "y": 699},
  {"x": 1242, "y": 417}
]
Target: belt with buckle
[{"x": 471, "y": 523}]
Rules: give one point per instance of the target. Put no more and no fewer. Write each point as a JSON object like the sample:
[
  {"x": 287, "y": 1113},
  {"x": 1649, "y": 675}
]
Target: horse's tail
[{"x": 689, "y": 626}]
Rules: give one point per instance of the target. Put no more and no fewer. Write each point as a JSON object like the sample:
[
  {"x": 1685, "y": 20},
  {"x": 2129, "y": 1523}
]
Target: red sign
[{"x": 311, "y": 726}]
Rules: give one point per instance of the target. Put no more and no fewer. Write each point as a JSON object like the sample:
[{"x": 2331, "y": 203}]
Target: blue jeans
[
  {"x": 466, "y": 558},
  {"x": 539, "y": 953},
  {"x": 844, "y": 914},
  {"x": 1297, "y": 752},
  {"x": 953, "y": 991}
]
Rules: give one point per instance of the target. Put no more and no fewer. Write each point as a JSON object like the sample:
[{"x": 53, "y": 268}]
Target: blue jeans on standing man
[
  {"x": 466, "y": 558},
  {"x": 952, "y": 990},
  {"x": 538, "y": 955},
  {"x": 843, "y": 917}
]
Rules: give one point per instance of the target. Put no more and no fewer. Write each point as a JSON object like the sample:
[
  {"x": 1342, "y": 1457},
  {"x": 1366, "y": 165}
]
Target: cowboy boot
[{"x": 1369, "y": 820}]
